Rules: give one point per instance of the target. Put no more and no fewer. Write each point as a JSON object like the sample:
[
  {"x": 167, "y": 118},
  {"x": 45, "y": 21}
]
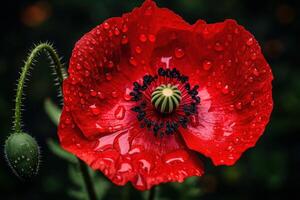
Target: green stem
[
  {"x": 61, "y": 75},
  {"x": 58, "y": 67},
  {"x": 152, "y": 193},
  {"x": 87, "y": 180}
]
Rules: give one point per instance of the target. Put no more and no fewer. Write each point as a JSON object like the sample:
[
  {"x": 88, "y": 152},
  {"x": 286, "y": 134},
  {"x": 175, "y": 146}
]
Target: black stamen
[
  {"x": 161, "y": 72},
  {"x": 187, "y": 86},
  {"x": 169, "y": 127}
]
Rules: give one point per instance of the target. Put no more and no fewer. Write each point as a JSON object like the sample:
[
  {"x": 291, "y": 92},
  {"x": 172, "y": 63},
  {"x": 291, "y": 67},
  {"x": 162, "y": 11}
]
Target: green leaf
[
  {"x": 52, "y": 111},
  {"x": 57, "y": 150},
  {"x": 78, "y": 190}
]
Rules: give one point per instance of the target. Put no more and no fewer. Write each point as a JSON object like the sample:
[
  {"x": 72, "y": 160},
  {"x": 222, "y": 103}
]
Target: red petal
[
  {"x": 235, "y": 89},
  {"x": 104, "y": 133},
  {"x": 131, "y": 155},
  {"x": 106, "y": 61}
]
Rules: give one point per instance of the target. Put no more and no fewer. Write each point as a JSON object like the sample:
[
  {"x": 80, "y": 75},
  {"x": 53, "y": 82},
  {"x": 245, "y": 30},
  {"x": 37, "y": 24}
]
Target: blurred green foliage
[{"x": 268, "y": 171}]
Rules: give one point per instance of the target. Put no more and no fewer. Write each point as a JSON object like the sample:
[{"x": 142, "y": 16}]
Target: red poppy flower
[{"x": 147, "y": 90}]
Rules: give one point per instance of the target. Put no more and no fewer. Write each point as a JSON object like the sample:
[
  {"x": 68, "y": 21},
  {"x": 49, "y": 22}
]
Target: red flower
[{"x": 147, "y": 90}]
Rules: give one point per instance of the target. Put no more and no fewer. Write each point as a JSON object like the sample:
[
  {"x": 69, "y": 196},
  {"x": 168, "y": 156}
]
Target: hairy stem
[
  {"x": 60, "y": 75},
  {"x": 58, "y": 67}
]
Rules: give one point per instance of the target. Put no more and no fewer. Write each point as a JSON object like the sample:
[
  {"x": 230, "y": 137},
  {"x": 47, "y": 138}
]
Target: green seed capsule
[
  {"x": 166, "y": 98},
  {"x": 22, "y": 154}
]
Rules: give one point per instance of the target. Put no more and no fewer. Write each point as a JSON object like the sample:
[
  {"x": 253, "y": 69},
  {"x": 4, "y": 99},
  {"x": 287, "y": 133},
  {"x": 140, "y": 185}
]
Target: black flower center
[{"x": 165, "y": 101}]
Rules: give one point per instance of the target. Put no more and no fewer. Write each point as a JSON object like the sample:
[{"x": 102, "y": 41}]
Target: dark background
[{"x": 269, "y": 171}]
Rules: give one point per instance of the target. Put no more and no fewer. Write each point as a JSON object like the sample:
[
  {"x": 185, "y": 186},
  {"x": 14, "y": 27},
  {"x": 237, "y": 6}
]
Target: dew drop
[
  {"x": 250, "y": 41},
  {"x": 94, "y": 109},
  {"x": 127, "y": 95},
  {"x": 146, "y": 166},
  {"x": 218, "y": 47},
  {"x": 151, "y": 38},
  {"x": 100, "y": 128},
  {"x": 106, "y": 25},
  {"x": 143, "y": 38},
  {"x": 78, "y": 67},
  {"x": 148, "y": 11},
  {"x": 93, "y": 93},
  {"x": 138, "y": 49},
  {"x": 120, "y": 112},
  {"x": 132, "y": 61},
  {"x": 255, "y": 72},
  {"x": 253, "y": 56},
  {"x": 207, "y": 65},
  {"x": 238, "y": 105},
  {"x": 194, "y": 120},
  {"x": 86, "y": 73},
  {"x": 124, "y": 145},
  {"x": 225, "y": 89},
  {"x": 116, "y": 31},
  {"x": 106, "y": 142},
  {"x": 179, "y": 53},
  {"x": 124, "y": 39},
  {"x": 175, "y": 157},
  {"x": 108, "y": 76},
  {"x": 101, "y": 95},
  {"x": 124, "y": 28},
  {"x": 125, "y": 167},
  {"x": 110, "y": 64},
  {"x": 114, "y": 94}
]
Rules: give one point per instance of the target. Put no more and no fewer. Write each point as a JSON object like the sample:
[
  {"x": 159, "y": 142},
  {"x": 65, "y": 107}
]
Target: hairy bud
[{"x": 22, "y": 154}]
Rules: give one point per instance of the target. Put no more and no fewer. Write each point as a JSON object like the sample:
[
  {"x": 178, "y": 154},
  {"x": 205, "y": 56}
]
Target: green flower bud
[{"x": 22, "y": 154}]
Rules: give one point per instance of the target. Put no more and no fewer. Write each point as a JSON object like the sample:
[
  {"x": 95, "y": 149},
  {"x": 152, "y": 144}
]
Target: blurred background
[{"x": 270, "y": 171}]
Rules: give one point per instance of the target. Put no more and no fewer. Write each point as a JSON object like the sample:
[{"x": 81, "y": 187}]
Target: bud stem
[
  {"x": 60, "y": 75},
  {"x": 59, "y": 71}
]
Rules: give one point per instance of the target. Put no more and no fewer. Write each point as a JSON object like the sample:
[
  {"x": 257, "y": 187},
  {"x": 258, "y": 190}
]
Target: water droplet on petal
[
  {"x": 124, "y": 39},
  {"x": 134, "y": 151},
  {"x": 94, "y": 109},
  {"x": 255, "y": 72},
  {"x": 143, "y": 38},
  {"x": 78, "y": 67},
  {"x": 253, "y": 56},
  {"x": 125, "y": 28},
  {"x": 114, "y": 94},
  {"x": 116, "y": 31},
  {"x": 207, "y": 65},
  {"x": 127, "y": 95},
  {"x": 225, "y": 89},
  {"x": 148, "y": 11},
  {"x": 138, "y": 49},
  {"x": 194, "y": 120},
  {"x": 176, "y": 157},
  {"x": 151, "y": 38},
  {"x": 101, "y": 95},
  {"x": 100, "y": 128},
  {"x": 125, "y": 167},
  {"x": 106, "y": 25},
  {"x": 124, "y": 143},
  {"x": 108, "y": 76},
  {"x": 93, "y": 93},
  {"x": 120, "y": 112},
  {"x": 179, "y": 53},
  {"x": 238, "y": 105},
  {"x": 106, "y": 142},
  {"x": 218, "y": 47},
  {"x": 250, "y": 41},
  {"x": 132, "y": 61},
  {"x": 110, "y": 64},
  {"x": 146, "y": 166}
]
